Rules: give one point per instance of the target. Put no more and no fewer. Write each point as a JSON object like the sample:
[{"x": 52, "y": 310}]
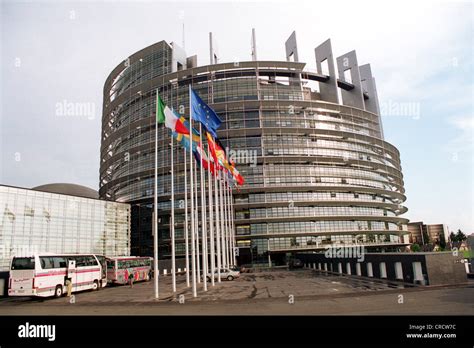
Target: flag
[
  {"x": 212, "y": 158},
  {"x": 215, "y": 165},
  {"x": 217, "y": 152},
  {"x": 219, "y": 156},
  {"x": 187, "y": 125},
  {"x": 205, "y": 160},
  {"x": 239, "y": 179},
  {"x": 183, "y": 140},
  {"x": 169, "y": 117},
  {"x": 218, "y": 142},
  {"x": 230, "y": 178},
  {"x": 201, "y": 112},
  {"x": 212, "y": 147}
]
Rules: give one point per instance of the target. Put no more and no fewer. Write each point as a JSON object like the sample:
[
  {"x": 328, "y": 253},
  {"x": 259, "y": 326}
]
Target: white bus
[{"x": 46, "y": 274}]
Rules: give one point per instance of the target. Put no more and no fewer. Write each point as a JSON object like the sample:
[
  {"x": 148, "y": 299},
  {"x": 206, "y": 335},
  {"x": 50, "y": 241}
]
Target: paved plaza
[{"x": 268, "y": 293}]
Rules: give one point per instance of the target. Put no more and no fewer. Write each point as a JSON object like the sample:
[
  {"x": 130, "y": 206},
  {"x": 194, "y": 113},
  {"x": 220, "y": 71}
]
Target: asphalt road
[{"x": 267, "y": 293}]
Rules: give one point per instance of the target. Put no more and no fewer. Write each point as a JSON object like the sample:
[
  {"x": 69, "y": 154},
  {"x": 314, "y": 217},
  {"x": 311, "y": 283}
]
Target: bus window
[
  {"x": 110, "y": 264},
  {"x": 91, "y": 261},
  {"x": 23, "y": 263},
  {"x": 46, "y": 262},
  {"x": 81, "y": 261},
  {"x": 59, "y": 262},
  {"x": 49, "y": 262}
]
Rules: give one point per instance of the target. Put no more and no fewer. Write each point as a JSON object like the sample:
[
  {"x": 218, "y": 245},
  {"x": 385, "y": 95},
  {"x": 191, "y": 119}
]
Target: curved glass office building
[{"x": 310, "y": 145}]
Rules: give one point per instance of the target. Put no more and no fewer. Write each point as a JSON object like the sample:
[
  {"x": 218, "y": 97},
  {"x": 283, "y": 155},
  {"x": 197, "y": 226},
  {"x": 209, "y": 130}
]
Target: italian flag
[{"x": 167, "y": 116}]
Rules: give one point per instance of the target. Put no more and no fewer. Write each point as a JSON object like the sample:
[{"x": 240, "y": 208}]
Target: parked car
[
  {"x": 295, "y": 263},
  {"x": 226, "y": 273}
]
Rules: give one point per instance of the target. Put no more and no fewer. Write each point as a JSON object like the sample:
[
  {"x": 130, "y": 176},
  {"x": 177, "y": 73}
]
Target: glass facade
[
  {"x": 34, "y": 221},
  {"x": 316, "y": 173}
]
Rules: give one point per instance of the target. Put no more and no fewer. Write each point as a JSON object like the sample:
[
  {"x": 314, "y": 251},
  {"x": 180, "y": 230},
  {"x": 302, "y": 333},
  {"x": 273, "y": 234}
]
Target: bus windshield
[{"x": 23, "y": 263}]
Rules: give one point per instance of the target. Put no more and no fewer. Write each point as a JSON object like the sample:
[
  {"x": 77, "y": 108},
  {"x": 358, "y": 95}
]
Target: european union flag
[{"x": 201, "y": 112}]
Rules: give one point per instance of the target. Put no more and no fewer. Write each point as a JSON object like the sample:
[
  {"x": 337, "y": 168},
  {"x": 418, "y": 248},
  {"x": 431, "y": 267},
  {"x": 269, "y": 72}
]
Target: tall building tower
[{"x": 309, "y": 144}]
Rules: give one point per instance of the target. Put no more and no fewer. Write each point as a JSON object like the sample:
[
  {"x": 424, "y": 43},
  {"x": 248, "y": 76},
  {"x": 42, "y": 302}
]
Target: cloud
[
  {"x": 462, "y": 144},
  {"x": 464, "y": 123}
]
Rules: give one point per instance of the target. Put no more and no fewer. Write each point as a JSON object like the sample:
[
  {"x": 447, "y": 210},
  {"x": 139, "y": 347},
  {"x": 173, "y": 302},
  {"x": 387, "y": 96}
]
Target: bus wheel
[
  {"x": 58, "y": 292},
  {"x": 95, "y": 286}
]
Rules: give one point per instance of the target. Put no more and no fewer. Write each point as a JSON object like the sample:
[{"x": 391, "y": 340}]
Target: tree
[
  {"x": 415, "y": 248},
  {"x": 457, "y": 239},
  {"x": 460, "y": 236},
  {"x": 452, "y": 237},
  {"x": 426, "y": 237},
  {"x": 442, "y": 242}
]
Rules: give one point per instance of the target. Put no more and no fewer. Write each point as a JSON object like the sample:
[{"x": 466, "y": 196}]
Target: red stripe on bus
[
  {"x": 134, "y": 268},
  {"x": 50, "y": 274},
  {"x": 88, "y": 270},
  {"x": 74, "y": 285}
]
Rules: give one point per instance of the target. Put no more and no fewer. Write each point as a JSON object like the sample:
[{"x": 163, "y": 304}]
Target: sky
[{"x": 55, "y": 54}]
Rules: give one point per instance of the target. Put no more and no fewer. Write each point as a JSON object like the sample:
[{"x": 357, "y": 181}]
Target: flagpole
[
  {"x": 203, "y": 216},
  {"x": 224, "y": 264},
  {"x": 193, "y": 246},
  {"x": 231, "y": 251},
  {"x": 211, "y": 215},
  {"x": 196, "y": 213},
  {"x": 218, "y": 227},
  {"x": 155, "y": 210},
  {"x": 232, "y": 217},
  {"x": 221, "y": 224},
  {"x": 232, "y": 230},
  {"x": 173, "y": 251},
  {"x": 224, "y": 229},
  {"x": 226, "y": 221},
  {"x": 226, "y": 211},
  {"x": 186, "y": 227}
]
